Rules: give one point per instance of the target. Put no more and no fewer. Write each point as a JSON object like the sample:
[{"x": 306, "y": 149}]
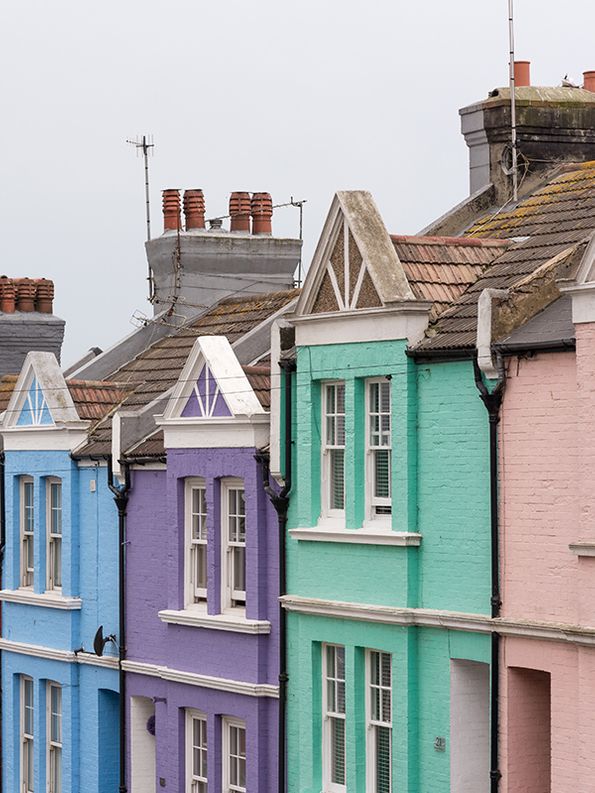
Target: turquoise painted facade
[
  {"x": 47, "y": 629},
  {"x": 402, "y": 588}
]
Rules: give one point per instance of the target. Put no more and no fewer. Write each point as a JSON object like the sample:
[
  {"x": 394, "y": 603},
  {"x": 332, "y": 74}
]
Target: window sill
[
  {"x": 365, "y": 536},
  {"x": 218, "y": 622},
  {"x": 51, "y": 600},
  {"x": 583, "y": 548}
]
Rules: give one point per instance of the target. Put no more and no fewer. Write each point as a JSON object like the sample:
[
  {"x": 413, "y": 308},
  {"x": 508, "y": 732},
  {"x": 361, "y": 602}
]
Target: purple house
[{"x": 202, "y": 577}]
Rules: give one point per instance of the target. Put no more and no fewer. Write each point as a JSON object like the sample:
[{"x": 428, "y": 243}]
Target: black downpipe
[
  {"x": 493, "y": 400},
  {"x": 121, "y": 499},
  {"x": 280, "y": 501}
]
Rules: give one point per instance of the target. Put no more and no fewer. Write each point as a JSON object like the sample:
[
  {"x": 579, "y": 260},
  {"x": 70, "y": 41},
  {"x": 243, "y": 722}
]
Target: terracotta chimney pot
[
  {"x": 194, "y": 209},
  {"x": 26, "y": 289},
  {"x": 262, "y": 213},
  {"x": 589, "y": 84},
  {"x": 522, "y": 73},
  {"x": 7, "y": 295},
  {"x": 45, "y": 296},
  {"x": 171, "y": 210},
  {"x": 239, "y": 210}
]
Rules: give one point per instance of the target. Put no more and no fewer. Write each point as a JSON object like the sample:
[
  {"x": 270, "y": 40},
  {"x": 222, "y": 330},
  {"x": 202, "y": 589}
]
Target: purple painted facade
[
  {"x": 206, "y": 399},
  {"x": 155, "y": 582}
]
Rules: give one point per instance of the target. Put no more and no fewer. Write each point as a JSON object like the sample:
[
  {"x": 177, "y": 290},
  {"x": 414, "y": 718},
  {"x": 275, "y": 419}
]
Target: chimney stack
[
  {"x": 262, "y": 213},
  {"x": 7, "y": 295},
  {"x": 239, "y": 211},
  {"x": 589, "y": 81},
  {"x": 26, "y": 290},
  {"x": 171, "y": 210},
  {"x": 194, "y": 209},
  {"x": 522, "y": 73}
]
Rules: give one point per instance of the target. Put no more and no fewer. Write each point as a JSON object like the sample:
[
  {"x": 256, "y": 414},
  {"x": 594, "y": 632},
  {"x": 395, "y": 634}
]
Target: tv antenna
[
  {"x": 145, "y": 146},
  {"x": 513, "y": 136}
]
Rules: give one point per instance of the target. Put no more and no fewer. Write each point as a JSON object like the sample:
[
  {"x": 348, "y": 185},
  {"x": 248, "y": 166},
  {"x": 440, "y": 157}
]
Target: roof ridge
[{"x": 480, "y": 242}]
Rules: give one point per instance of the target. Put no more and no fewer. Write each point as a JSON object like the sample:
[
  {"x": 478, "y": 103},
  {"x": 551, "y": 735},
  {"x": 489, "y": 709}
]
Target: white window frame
[
  {"x": 328, "y": 718},
  {"x": 27, "y": 739},
  {"x": 193, "y": 595},
  {"x": 27, "y": 534},
  {"x": 232, "y": 598},
  {"x": 376, "y": 504},
  {"x": 327, "y": 450},
  {"x": 228, "y": 724},
  {"x": 374, "y": 724},
  {"x": 194, "y": 781},
  {"x": 54, "y": 539},
  {"x": 53, "y": 745}
]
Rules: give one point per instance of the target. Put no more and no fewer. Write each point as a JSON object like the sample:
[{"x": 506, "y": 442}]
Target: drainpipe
[
  {"x": 121, "y": 498},
  {"x": 280, "y": 501},
  {"x": 492, "y": 401}
]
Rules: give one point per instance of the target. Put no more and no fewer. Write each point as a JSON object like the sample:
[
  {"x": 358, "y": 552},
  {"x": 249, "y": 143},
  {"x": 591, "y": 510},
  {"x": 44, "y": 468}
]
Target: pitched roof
[
  {"x": 439, "y": 269},
  {"x": 158, "y": 368},
  {"x": 551, "y": 327},
  {"x": 543, "y": 226}
]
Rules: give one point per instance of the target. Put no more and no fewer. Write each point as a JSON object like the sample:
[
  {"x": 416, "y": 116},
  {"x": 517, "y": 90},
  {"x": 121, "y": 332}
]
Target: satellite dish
[{"x": 100, "y": 641}]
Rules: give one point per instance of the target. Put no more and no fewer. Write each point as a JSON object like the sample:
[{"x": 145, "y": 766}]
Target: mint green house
[{"x": 388, "y": 546}]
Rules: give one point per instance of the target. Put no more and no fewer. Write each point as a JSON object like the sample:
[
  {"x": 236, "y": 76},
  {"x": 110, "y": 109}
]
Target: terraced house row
[{"x": 331, "y": 539}]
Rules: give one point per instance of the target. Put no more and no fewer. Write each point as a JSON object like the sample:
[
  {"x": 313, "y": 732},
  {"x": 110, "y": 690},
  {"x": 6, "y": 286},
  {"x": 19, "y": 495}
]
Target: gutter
[
  {"x": 121, "y": 498},
  {"x": 280, "y": 501}
]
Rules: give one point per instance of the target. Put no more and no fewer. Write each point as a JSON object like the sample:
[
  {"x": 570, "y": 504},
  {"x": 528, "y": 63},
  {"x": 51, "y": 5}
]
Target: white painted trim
[
  {"x": 51, "y": 599},
  {"x": 231, "y": 433},
  {"x": 327, "y": 785},
  {"x": 228, "y": 594},
  {"x": 583, "y": 301},
  {"x": 196, "y": 618},
  {"x": 149, "y": 467},
  {"x": 227, "y": 722},
  {"x": 47, "y": 438},
  {"x": 583, "y": 548},
  {"x": 203, "y": 681},
  {"x": 483, "y": 340},
  {"x": 190, "y": 715},
  {"x": 452, "y": 620},
  {"x": 406, "y": 321},
  {"x": 52, "y": 654},
  {"x": 363, "y": 536}
]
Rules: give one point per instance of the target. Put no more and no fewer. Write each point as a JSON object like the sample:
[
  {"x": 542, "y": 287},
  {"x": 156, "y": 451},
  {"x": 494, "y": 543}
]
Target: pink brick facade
[{"x": 547, "y": 494}]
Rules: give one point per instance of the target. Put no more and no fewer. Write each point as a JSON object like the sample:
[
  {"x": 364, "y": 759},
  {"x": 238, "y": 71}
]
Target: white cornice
[
  {"x": 51, "y": 600},
  {"x": 46, "y": 438},
  {"x": 52, "y": 654},
  {"x": 361, "y": 536},
  {"x": 203, "y": 681},
  {"x": 583, "y": 548},
  {"x": 403, "y": 321},
  {"x": 217, "y": 622},
  {"x": 453, "y": 620},
  {"x": 235, "y": 432}
]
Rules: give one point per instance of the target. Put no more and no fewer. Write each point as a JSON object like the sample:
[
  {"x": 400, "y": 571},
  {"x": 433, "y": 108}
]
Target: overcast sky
[{"x": 298, "y": 99}]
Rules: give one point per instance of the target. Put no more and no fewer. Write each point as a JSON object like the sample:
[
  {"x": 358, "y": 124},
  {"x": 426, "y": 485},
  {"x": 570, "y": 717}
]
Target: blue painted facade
[{"x": 47, "y": 634}]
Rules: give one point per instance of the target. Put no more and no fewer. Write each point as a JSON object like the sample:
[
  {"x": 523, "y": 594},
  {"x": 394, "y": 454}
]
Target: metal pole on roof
[{"x": 515, "y": 178}]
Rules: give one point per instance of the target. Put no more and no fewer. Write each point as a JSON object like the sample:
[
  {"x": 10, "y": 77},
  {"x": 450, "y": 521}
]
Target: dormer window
[{"x": 333, "y": 449}]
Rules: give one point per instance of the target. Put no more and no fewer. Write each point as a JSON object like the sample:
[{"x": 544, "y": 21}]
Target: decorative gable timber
[
  {"x": 355, "y": 264},
  {"x": 212, "y": 385},
  {"x": 40, "y": 398}
]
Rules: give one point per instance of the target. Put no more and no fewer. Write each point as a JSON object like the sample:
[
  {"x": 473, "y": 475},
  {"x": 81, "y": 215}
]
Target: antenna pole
[
  {"x": 513, "y": 137},
  {"x": 145, "y": 146}
]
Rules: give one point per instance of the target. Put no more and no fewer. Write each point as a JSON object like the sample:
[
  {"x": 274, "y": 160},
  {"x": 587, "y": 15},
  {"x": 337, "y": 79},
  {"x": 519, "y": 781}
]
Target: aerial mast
[
  {"x": 144, "y": 145},
  {"x": 513, "y": 137}
]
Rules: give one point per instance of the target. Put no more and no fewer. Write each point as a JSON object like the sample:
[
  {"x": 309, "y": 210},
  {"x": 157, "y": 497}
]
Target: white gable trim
[
  {"x": 43, "y": 367},
  {"x": 219, "y": 433},
  {"x": 217, "y": 353}
]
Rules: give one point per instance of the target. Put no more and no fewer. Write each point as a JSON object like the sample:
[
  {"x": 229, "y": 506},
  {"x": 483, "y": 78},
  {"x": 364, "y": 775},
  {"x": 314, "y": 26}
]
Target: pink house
[{"x": 547, "y": 527}]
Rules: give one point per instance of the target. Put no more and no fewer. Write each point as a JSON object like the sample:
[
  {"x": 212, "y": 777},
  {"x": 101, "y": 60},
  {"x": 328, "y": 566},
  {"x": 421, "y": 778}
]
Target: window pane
[
  {"x": 338, "y": 751},
  {"x": 382, "y": 473},
  {"x": 337, "y": 483},
  {"x": 383, "y": 753}
]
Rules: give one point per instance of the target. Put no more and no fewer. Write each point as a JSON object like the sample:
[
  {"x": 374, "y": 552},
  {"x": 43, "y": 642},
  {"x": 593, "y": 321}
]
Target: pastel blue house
[{"x": 59, "y": 578}]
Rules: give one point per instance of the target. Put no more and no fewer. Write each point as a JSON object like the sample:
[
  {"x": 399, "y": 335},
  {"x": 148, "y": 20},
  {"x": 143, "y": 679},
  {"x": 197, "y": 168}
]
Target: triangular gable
[
  {"x": 212, "y": 384},
  {"x": 206, "y": 399},
  {"x": 40, "y": 397},
  {"x": 355, "y": 264}
]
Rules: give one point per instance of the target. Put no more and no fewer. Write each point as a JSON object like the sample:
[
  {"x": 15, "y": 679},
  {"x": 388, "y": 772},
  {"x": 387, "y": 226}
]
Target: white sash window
[
  {"x": 196, "y": 541},
  {"x": 27, "y": 520},
  {"x": 196, "y": 752},
  {"x": 234, "y": 756},
  {"x": 379, "y": 448},
  {"x": 54, "y": 533},
  {"x": 379, "y": 718},
  {"x": 27, "y": 741},
  {"x": 333, "y": 449},
  {"x": 233, "y": 515},
  {"x": 333, "y": 729},
  {"x": 54, "y": 738}
]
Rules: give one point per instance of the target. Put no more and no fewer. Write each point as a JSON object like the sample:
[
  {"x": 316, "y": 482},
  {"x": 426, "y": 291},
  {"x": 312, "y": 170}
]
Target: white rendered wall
[
  {"x": 142, "y": 759},
  {"x": 469, "y": 727}
]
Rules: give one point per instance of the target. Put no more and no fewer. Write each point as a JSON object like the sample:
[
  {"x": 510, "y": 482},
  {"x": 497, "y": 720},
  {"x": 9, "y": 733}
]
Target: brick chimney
[
  {"x": 27, "y": 321},
  {"x": 218, "y": 262},
  {"x": 554, "y": 125}
]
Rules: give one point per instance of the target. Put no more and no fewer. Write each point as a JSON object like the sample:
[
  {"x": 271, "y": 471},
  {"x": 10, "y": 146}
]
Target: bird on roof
[{"x": 566, "y": 83}]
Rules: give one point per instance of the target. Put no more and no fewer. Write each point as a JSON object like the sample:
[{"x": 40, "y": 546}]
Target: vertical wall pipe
[
  {"x": 121, "y": 499},
  {"x": 280, "y": 501},
  {"x": 492, "y": 401}
]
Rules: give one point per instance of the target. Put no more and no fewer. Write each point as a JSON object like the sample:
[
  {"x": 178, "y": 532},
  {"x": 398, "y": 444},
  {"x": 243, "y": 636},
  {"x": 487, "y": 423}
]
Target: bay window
[
  {"x": 196, "y": 541},
  {"x": 333, "y": 449}
]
